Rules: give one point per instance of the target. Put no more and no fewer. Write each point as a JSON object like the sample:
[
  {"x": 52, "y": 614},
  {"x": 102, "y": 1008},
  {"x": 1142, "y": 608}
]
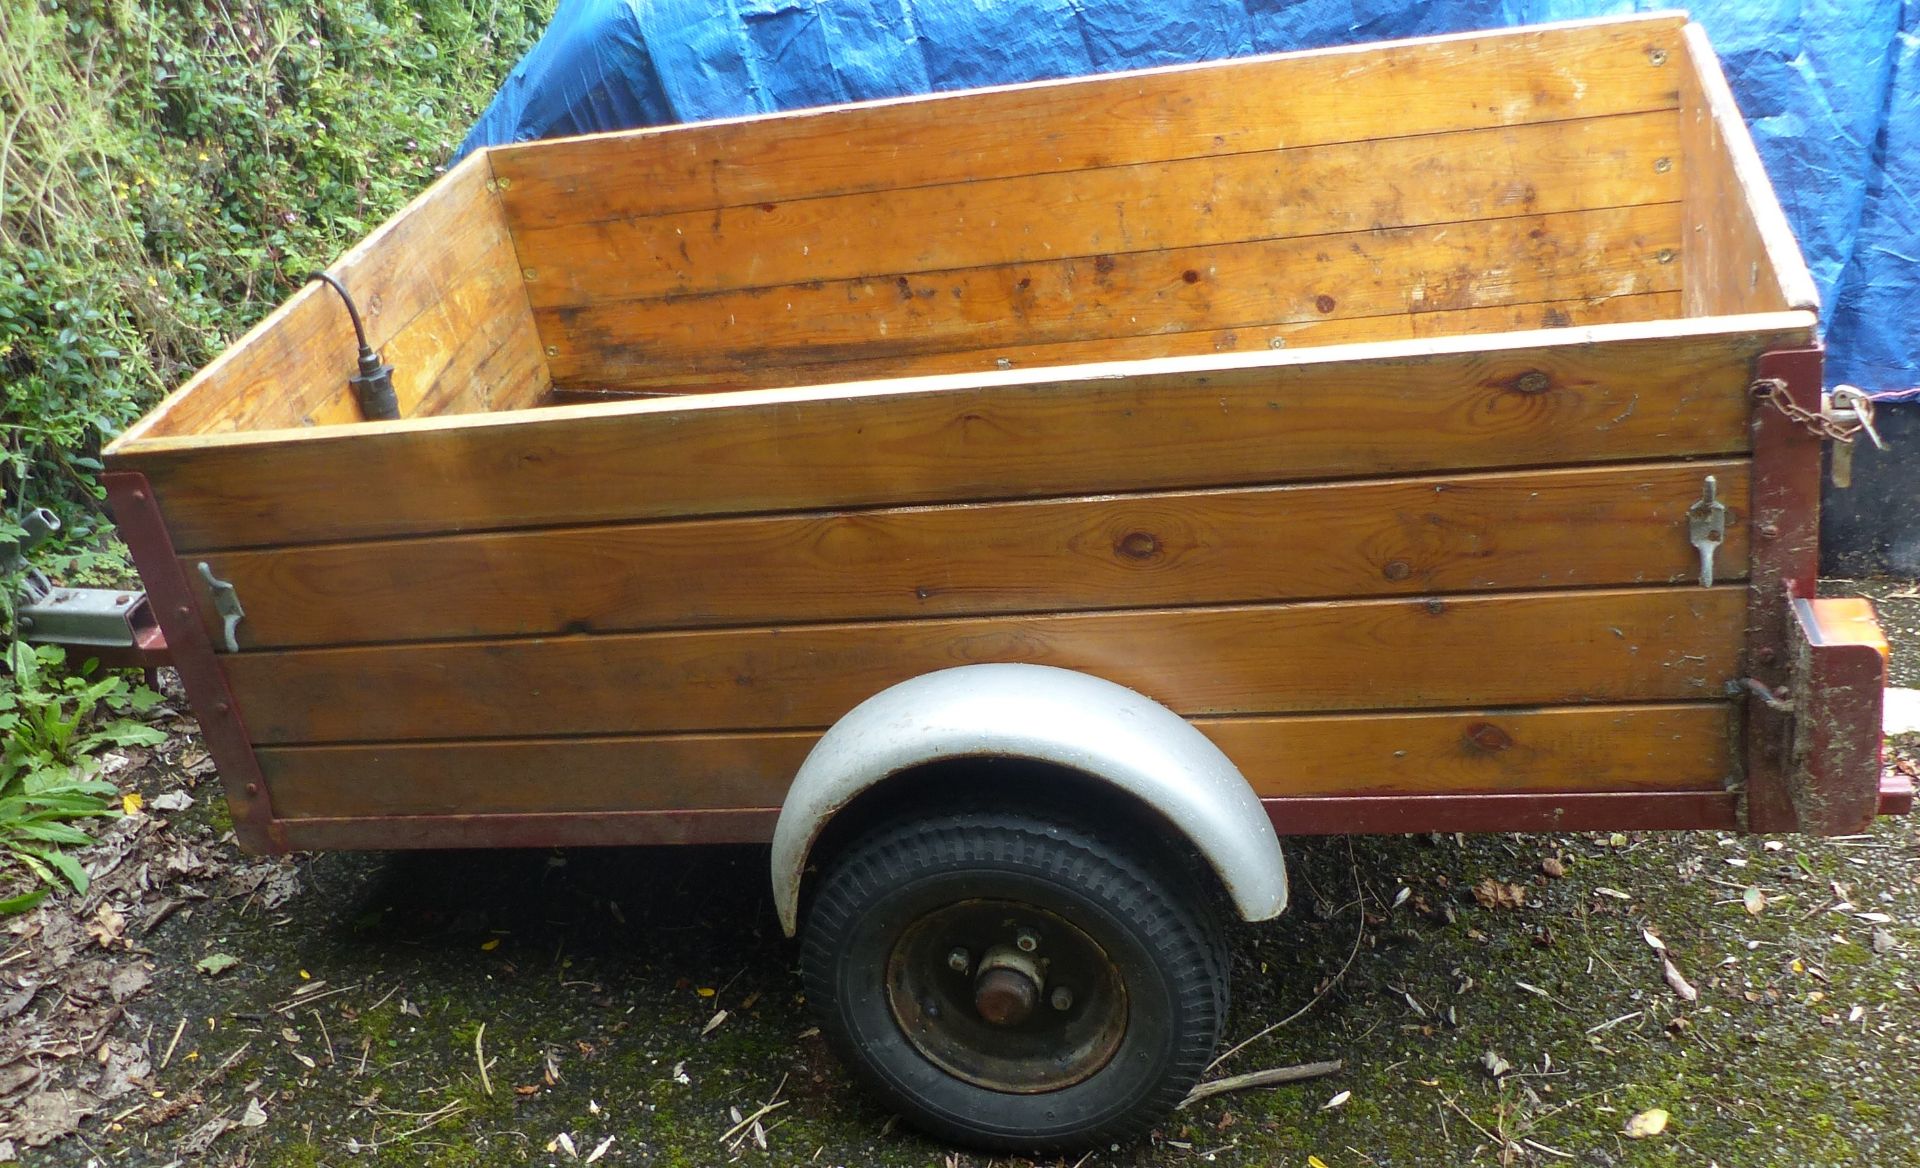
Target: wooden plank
[
  {"x": 1611, "y": 393},
  {"x": 1740, "y": 253},
  {"x": 297, "y": 361},
  {"x": 1529, "y": 529},
  {"x": 1396, "y": 326},
  {"x": 441, "y": 295},
  {"x": 475, "y": 349},
  {"x": 1430, "y": 85},
  {"x": 1665, "y": 644},
  {"x": 1318, "y": 190},
  {"x": 1364, "y": 815},
  {"x": 1653, "y": 747},
  {"x": 1616, "y": 251}
]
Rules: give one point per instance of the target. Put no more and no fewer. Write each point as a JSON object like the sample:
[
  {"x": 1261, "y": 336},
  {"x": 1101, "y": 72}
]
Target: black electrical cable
[{"x": 373, "y": 385}]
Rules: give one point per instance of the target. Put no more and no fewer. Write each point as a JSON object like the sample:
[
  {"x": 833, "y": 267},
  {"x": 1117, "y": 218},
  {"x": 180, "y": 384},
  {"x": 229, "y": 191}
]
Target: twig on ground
[
  {"x": 1272, "y": 1077},
  {"x": 764, "y": 1110},
  {"x": 177, "y": 1032},
  {"x": 1359, "y": 935},
  {"x": 480, "y": 1056}
]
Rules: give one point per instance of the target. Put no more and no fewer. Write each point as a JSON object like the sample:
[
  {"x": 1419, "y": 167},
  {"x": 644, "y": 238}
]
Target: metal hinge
[{"x": 1707, "y": 527}]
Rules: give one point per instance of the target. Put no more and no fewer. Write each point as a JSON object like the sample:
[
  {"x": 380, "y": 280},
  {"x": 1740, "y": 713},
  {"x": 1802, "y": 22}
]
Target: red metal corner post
[
  {"x": 1841, "y": 676},
  {"x": 137, "y": 514},
  {"x": 1785, "y": 507}
]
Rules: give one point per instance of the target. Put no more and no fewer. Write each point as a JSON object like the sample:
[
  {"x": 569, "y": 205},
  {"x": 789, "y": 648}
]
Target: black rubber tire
[{"x": 1159, "y": 930}]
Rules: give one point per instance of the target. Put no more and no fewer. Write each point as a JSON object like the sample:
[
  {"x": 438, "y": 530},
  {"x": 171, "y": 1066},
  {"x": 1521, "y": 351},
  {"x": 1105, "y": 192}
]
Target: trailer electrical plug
[{"x": 373, "y": 385}]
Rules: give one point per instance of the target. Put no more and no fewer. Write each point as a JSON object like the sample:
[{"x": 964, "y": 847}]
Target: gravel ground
[{"x": 545, "y": 1008}]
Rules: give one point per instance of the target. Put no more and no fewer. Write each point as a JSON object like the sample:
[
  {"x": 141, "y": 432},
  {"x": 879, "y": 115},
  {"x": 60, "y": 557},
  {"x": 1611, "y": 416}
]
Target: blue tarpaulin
[{"x": 1831, "y": 89}]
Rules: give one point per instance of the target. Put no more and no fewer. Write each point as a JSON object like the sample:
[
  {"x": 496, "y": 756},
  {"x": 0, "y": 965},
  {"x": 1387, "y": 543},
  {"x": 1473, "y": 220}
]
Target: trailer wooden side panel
[
  {"x": 1432, "y": 85},
  {"x": 1654, "y": 747},
  {"x": 1667, "y": 390}
]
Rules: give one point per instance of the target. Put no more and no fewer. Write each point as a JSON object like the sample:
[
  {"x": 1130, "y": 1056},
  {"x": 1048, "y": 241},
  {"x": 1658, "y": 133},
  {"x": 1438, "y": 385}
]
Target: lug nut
[
  {"x": 959, "y": 960},
  {"x": 1062, "y": 998},
  {"x": 1027, "y": 940}
]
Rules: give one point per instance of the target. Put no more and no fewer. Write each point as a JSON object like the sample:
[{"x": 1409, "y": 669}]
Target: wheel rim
[{"x": 1006, "y": 996}]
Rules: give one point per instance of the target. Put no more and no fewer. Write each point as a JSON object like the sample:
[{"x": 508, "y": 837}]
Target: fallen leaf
[
  {"x": 1875, "y": 918},
  {"x": 713, "y": 1023},
  {"x": 1678, "y": 981},
  {"x": 600, "y": 1149},
  {"x": 108, "y": 927},
  {"x": 1653, "y": 940},
  {"x": 705, "y": 991},
  {"x": 1648, "y": 1123},
  {"x": 1314, "y": 1161},
  {"x": 1493, "y": 893},
  {"x": 172, "y": 801},
  {"x": 1551, "y": 866},
  {"x": 256, "y": 1115},
  {"x": 1857, "y": 1013},
  {"x": 1494, "y": 1065},
  {"x": 1603, "y": 890},
  {"x": 490, "y": 944},
  {"x": 214, "y": 964},
  {"x": 1882, "y": 941},
  {"x": 1754, "y": 899},
  {"x": 131, "y": 802},
  {"x": 1336, "y": 1101}
]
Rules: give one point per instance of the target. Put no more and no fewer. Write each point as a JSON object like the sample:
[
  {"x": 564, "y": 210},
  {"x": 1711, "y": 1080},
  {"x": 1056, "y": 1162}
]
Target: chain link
[{"x": 1773, "y": 391}]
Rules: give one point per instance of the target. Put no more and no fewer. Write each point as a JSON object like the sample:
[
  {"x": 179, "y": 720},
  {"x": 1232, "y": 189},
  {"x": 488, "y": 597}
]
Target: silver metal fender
[{"x": 1044, "y": 714}]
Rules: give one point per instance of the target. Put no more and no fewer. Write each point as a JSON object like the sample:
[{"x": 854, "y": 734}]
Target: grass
[{"x": 169, "y": 169}]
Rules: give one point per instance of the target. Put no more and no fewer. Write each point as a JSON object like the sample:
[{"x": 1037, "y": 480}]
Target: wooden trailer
[{"x": 1436, "y": 427}]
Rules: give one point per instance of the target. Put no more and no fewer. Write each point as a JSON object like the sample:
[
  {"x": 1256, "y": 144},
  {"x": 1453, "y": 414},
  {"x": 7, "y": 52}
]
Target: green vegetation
[
  {"x": 50, "y": 726},
  {"x": 170, "y": 169}
]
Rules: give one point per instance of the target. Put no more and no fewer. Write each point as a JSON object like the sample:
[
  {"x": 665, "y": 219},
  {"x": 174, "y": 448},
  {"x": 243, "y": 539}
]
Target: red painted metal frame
[
  {"x": 137, "y": 514},
  {"x": 1585, "y": 811},
  {"x": 1840, "y": 681},
  {"x": 578, "y": 829},
  {"x": 1785, "y": 510}
]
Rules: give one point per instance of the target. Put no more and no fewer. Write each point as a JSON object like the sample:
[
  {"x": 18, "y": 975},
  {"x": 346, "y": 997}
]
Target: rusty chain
[{"x": 1773, "y": 391}]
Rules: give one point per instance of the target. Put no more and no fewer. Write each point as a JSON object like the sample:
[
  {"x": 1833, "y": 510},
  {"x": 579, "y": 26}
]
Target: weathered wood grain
[
  {"x": 1529, "y": 529},
  {"x": 1577, "y": 165},
  {"x": 1740, "y": 254},
  {"x": 1431, "y": 85},
  {"x": 1395, "y": 326},
  {"x": 1571, "y": 255},
  {"x": 439, "y": 290},
  {"x": 1662, "y": 644},
  {"x": 1611, "y": 393},
  {"x": 1651, "y": 747}
]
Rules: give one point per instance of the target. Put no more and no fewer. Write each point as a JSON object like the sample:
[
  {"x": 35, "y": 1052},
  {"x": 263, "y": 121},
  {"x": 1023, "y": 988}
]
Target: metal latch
[
  {"x": 1707, "y": 527},
  {"x": 226, "y": 602},
  {"x": 1849, "y": 409}
]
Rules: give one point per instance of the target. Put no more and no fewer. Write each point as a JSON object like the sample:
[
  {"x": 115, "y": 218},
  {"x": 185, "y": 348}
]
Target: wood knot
[
  {"x": 1138, "y": 545},
  {"x": 1488, "y": 737},
  {"x": 1532, "y": 381},
  {"x": 1190, "y": 276},
  {"x": 1324, "y": 302},
  {"x": 1397, "y": 570}
]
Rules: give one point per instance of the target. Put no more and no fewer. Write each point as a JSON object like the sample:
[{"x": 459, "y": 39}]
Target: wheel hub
[
  {"x": 1042, "y": 1009},
  {"x": 1005, "y": 997}
]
